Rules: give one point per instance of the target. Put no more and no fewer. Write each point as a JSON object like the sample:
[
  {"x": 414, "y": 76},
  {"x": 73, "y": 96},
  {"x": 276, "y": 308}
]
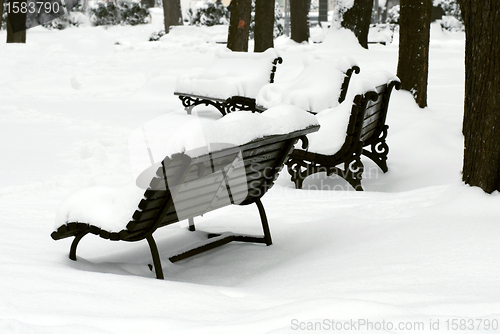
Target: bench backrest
[
  {"x": 345, "y": 83},
  {"x": 320, "y": 85},
  {"x": 368, "y": 115},
  {"x": 186, "y": 187},
  {"x": 376, "y": 111}
]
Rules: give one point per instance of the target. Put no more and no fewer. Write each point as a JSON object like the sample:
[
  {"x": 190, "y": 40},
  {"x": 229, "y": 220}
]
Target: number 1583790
[{"x": 32, "y": 7}]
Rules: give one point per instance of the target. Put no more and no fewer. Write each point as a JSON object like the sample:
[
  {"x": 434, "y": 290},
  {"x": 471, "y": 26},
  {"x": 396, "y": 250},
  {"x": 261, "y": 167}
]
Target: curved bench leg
[
  {"x": 379, "y": 150},
  {"x": 156, "y": 257},
  {"x": 265, "y": 224},
  {"x": 74, "y": 245},
  {"x": 353, "y": 173}
]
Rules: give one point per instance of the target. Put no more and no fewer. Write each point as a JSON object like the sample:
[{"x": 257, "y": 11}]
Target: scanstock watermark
[
  {"x": 158, "y": 140},
  {"x": 367, "y": 325},
  {"x": 25, "y": 14}
]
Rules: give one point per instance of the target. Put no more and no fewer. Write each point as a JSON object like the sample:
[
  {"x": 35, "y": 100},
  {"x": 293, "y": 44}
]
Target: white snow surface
[
  {"x": 316, "y": 88},
  {"x": 107, "y": 207},
  {"x": 416, "y": 248},
  {"x": 230, "y": 74}
]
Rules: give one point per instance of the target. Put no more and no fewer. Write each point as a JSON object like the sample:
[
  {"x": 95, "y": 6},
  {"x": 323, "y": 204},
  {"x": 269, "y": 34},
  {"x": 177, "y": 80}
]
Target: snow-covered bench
[
  {"x": 196, "y": 180},
  {"x": 322, "y": 84},
  {"x": 346, "y": 131},
  {"x": 230, "y": 74}
]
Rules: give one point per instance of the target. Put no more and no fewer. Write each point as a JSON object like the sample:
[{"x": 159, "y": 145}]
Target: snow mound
[
  {"x": 316, "y": 88},
  {"x": 230, "y": 74}
]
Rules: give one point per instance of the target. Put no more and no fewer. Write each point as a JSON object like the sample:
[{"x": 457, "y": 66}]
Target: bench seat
[
  {"x": 320, "y": 85},
  {"x": 229, "y": 74}
]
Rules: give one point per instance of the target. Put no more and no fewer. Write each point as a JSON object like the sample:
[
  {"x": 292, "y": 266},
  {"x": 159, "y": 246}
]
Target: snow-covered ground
[{"x": 416, "y": 252}]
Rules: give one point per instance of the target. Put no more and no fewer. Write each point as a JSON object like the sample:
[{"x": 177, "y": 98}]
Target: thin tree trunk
[
  {"x": 264, "y": 25},
  {"x": 299, "y": 20},
  {"x": 357, "y": 19},
  {"x": 16, "y": 27},
  {"x": 1, "y": 13},
  {"x": 239, "y": 25},
  {"x": 414, "y": 35},
  {"x": 175, "y": 13},
  {"x": 481, "y": 126},
  {"x": 172, "y": 14}
]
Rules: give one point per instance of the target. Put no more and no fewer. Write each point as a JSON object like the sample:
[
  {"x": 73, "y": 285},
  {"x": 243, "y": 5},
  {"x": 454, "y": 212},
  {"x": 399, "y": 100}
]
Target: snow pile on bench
[
  {"x": 111, "y": 208},
  {"x": 316, "y": 88},
  {"x": 230, "y": 74},
  {"x": 329, "y": 139}
]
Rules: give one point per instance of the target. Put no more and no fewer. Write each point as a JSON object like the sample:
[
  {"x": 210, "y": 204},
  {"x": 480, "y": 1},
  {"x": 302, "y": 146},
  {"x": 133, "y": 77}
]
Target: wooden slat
[
  {"x": 372, "y": 118},
  {"x": 381, "y": 89},
  {"x": 145, "y": 214},
  {"x": 153, "y": 194},
  {"x": 146, "y": 204},
  {"x": 368, "y": 129},
  {"x": 134, "y": 226},
  {"x": 373, "y": 109}
]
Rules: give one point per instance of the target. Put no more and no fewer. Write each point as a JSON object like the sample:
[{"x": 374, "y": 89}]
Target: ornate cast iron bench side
[
  {"x": 237, "y": 103},
  {"x": 186, "y": 187},
  {"x": 366, "y": 128},
  {"x": 189, "y": 101}
]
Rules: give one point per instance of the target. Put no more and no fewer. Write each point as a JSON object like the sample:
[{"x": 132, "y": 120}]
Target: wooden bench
[
  {"x": 230, "y": 74},
  {"x": 186, "y": 187},
  {"x": 321, "y": 84},
  {"x": 366, "y": 129}
]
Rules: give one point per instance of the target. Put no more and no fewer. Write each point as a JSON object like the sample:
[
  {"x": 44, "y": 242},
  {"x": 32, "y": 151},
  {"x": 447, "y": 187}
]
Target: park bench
[
  {"x": 322, "y": 84},
  {"x": 365, "y": 134},
  {"x": 230, "y": 74},
  {"x": 186, "y": 185}
]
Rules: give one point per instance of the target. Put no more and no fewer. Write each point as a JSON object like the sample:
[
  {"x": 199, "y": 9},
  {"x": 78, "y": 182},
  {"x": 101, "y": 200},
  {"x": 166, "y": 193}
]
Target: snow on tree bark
[
  {"x": 357, "y": 19},
  {"x": 239, "y": 25}
]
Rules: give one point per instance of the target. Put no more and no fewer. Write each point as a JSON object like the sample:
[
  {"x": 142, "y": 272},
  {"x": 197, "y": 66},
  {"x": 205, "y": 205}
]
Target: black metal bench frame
[
  {"x": 193, "y": 183},
  {"x": 366, "y": 128},
  {"x": 189, "y": 101}
]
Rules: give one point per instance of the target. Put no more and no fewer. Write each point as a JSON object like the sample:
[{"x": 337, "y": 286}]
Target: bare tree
[
  {"x": 481, "y": 125},
  {"x": 239, "y": 25},
  {"x": 357, "y": 19},
  {"x": 264, "y": 25},
  {"x": 172, "y": 14},
  {"x": 414, "y": 35}
]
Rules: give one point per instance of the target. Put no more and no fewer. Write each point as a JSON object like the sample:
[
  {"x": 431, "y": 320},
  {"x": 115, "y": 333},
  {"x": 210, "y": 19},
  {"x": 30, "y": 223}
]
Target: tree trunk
[
  {"x": 323, "y": 11},
  {"x": 264, "y": 25},
  {"x": 299, "y": 20},
  {"x": 481, "y": 127},
  {"x": 16, "y": 27},
  {"x": 148, "y": 3},
  {"x": 172, "y": 14},
  {"x": 1, "y": 13},
  {"x": 239, "y": 25},
  {"x": 357, "y": 19},
  {"x": 414, "y": 34}
]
